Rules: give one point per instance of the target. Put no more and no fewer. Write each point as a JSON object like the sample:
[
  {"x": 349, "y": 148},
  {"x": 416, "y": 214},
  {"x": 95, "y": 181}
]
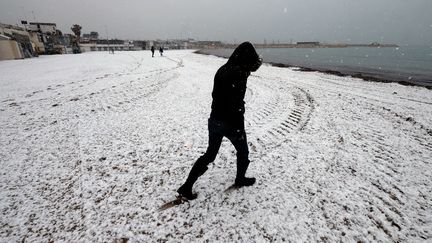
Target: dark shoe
[
  {"x": 245, "y": 181},
  {"x": 198, "y": 169},
  {"x": 241, "y": 179},
  {"x": 186, "y": 192}
]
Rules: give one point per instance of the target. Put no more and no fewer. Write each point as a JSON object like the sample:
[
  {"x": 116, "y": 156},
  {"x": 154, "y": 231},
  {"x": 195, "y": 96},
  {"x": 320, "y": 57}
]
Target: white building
[
  {"x": 9, "y": 49},
  {"x": 44, "y": 28},
  {"x": 87, "y": 47},
  {"x": 14, "y": 35}
]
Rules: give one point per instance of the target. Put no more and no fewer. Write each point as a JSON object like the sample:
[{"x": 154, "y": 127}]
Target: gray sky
[{"x": 351, "y": 21}]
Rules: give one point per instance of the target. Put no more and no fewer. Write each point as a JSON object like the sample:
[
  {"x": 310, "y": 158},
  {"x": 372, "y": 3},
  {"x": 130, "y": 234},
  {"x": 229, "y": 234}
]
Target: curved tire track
[{"x": 283, "y": 114}]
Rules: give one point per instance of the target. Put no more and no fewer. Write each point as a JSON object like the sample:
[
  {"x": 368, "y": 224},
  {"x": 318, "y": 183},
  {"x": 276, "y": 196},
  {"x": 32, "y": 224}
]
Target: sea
[{"x": 410, "y": 65}]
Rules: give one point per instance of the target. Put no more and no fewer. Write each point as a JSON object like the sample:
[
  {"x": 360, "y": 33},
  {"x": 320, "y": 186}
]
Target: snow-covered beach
[{"x": 93, "y": 144}]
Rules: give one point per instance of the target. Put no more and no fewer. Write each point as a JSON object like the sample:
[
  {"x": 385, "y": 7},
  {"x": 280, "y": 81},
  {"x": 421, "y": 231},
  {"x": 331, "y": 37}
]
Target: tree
[
  {"x": 94, "y": 35},
  {"x": 77, "y": 30}
]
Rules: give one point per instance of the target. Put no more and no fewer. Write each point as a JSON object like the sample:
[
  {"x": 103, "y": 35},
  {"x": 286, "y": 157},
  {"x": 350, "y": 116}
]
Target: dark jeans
[{"x": 218, "y": 130}]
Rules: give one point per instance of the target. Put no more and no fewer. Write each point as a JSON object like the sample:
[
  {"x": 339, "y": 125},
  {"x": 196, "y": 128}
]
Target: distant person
[
  {"x": 161, "y": 50},
  {"x": 111, "y": 50},
  {"x": 152, "y": 50},
  {"x": 227, "y": 117}
]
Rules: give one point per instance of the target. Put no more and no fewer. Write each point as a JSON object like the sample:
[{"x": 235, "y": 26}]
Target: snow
[{"x": 93, "y": 144}]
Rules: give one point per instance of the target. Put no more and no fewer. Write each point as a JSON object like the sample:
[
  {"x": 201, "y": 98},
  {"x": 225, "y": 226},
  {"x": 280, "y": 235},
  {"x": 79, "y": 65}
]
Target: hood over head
[{"x": 245, "y": 56}]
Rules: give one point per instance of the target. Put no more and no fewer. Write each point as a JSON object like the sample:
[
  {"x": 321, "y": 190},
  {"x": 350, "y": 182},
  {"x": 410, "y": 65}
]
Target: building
[
  {"x": 22, "y": 38},
  {"x": 139, "y": 45},
  {"x": 89, "y": 38},
  {"x": 92, "y": 36},
  {"x": 45, "y": 28},
  {"x": 204, "y": 44},
  {"x": 9, "y": 49},
  {"x": 50, "y": 39},
  {"x": 105, "y": 45},
  {"x": 308, "y": 43}
]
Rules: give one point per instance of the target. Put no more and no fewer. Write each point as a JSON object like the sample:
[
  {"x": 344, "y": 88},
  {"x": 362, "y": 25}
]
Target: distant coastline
[
  {"x": 322, "y": 45},
  {"x": 311, "y": 44}
]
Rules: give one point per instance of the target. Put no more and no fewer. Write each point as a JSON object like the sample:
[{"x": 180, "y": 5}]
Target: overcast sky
[{"x": 351, "y": 21}]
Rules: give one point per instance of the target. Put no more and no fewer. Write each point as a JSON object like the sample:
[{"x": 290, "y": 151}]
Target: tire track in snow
[
  {"x": 408, "y": 130},
  {"x": 80, "y": 84},
  {"x": 419, "y": 132},
  {"x": 384, "y": 195},
  {"x": 126, "y": 95},
  {"x": 287, "y": 111},
  {"x": 385, "y": 173},
  {"x": 382, "y": 192}
]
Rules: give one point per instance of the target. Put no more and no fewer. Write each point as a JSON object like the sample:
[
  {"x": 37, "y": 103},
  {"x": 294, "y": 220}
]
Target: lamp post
[{"x": 106, "y": 31}]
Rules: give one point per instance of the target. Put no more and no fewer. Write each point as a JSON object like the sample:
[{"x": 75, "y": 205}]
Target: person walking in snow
[
  {"x": 161, "y": 50},
  {"x": 152, "y": 50},
  {"x": 227, "y": 117}
]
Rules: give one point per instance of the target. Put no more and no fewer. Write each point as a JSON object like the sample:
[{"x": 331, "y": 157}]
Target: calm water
[{"x": 409, "y": 64}]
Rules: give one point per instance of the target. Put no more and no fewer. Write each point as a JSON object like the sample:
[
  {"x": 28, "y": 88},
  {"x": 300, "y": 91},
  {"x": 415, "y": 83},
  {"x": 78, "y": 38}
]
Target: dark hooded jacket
[{"x": 230, "y": 85}]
